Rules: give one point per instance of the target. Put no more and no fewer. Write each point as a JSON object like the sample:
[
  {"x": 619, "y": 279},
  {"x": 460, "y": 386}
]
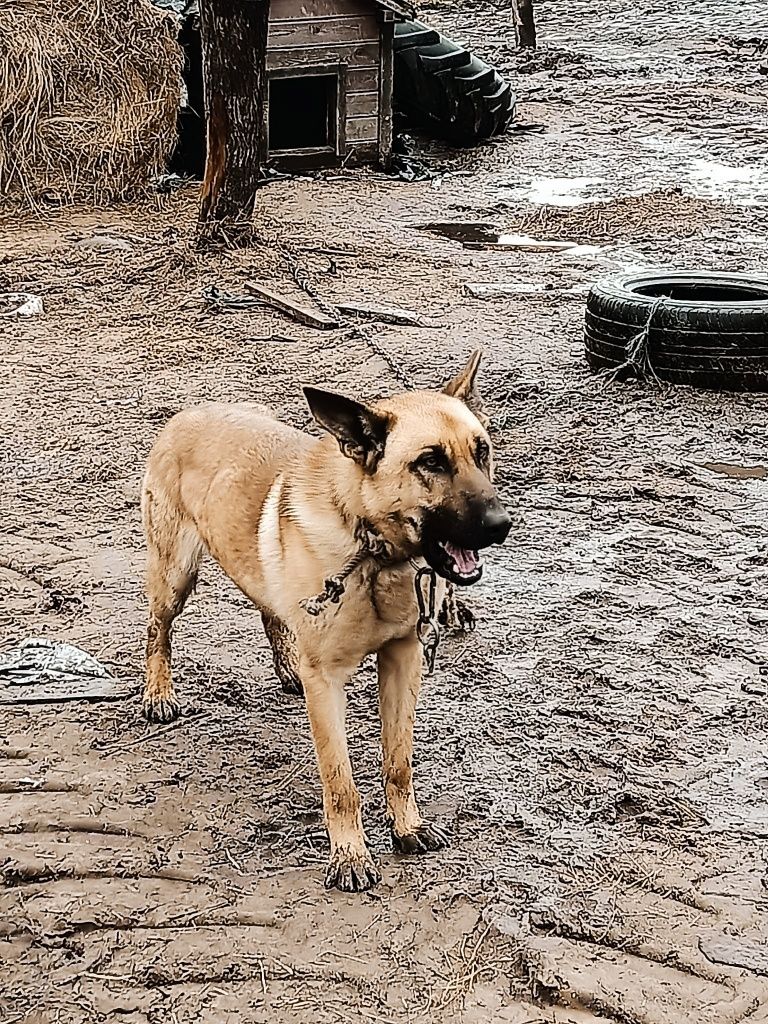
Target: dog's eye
[
  {"x": 482, "y": 452},
  {"x": 432, "y": 461}
]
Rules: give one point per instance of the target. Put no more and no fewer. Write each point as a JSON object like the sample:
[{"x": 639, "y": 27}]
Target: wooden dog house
[{"x": 330, "y": 71}]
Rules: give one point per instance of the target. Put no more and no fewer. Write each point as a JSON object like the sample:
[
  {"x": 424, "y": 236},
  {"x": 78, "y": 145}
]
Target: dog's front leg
[
  {"x": 352, "y": 869},
  {"x": 399, "y": 685}
]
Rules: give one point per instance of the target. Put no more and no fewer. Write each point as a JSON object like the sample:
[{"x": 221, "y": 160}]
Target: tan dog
[{"x": 282, "y": 512}]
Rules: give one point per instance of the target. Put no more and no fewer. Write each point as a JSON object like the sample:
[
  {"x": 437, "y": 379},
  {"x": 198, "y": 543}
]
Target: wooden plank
[
  {"x": 363, "y": 129},
  {"x": 340, "y": 128},
  {"x": 311, "y": 34},
  {"x": 363, "y": 79},
  {"x": 361, "y": 103},
  {"x": 386, "y": 76},
  {"x": 281, "y": 10},
  {"x": 318, "y": 20},
  {"x": 388, "y": 314},
  {"x": 324, "y": 50},
  {"x": 403, "y": 11},
  {"x": 305, "y": 159},
  {"x": 303, "y": 314},
  {"x": 350, "y": 53},
  {"x": 361, "y": 153}
]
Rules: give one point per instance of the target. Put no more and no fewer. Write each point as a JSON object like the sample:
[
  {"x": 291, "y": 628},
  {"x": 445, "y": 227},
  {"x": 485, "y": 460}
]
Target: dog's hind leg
[
  {"x": 284, "y": 655},
  {"x": 174, "y": 550},
  {"x": 399, "y": 685}
]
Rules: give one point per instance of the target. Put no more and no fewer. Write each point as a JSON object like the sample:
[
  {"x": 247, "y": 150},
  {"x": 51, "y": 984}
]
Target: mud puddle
[
  {"x": 465, "y": 232},
  {"x": 737, "y": 472},
  {"x": 566, "y": 191},
  {"x": 482, "y": 236}
]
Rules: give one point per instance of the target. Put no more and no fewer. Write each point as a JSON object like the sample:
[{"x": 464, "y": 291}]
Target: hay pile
[{"x": 89, "y": 93}]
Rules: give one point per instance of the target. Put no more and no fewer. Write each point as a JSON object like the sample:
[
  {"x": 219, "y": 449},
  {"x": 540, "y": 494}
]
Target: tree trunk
[
  {"x": 525, "y": 25},
  {"x": 234, "y": 35}
]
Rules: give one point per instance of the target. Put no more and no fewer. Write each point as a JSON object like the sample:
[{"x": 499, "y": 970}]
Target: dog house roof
[
  {"x": 405, "y": 10},
  {"x": 191, "y": 8}
]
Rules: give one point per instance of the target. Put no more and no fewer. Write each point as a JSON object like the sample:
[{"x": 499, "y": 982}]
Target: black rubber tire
[
  {"x": 442, "y": 89},
  {"x": 703, "y": 329}
]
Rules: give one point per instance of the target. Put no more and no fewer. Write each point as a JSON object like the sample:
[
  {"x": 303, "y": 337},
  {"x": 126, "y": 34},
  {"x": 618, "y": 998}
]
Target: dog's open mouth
[{"x": 458, "y": 565}]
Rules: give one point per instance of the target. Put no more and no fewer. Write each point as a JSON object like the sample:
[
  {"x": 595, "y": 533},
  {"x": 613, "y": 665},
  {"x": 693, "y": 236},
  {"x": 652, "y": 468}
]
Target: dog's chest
[
  {"x": 392, "y": 600},
  {"x": 381, "y": 606}
]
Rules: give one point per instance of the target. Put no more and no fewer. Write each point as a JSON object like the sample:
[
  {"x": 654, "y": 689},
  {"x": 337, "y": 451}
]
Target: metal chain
[
  {"x": 372, "y": 545},
  {"x": 302, "y": 280},
  {"x": 427, "y": 629}
]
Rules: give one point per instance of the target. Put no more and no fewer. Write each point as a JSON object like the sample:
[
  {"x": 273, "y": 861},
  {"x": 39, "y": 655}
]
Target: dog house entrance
[{"x": 303, "y": 113}]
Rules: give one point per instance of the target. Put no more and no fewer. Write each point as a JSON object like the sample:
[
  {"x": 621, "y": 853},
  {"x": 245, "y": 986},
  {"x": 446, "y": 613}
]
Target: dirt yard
[{"x": 597, "y": 748}]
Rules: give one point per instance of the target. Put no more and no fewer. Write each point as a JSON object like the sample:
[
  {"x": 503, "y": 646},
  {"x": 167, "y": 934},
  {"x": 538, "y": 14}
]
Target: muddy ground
[{"x": 597, "y": 748}]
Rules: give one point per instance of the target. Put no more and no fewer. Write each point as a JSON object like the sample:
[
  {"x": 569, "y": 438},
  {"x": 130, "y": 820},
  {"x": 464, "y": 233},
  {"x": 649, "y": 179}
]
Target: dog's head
[{"x": 424, "y": 466}]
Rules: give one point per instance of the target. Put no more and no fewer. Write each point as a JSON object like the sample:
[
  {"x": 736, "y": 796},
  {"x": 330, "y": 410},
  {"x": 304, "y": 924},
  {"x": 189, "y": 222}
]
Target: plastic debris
[
  {"x": 20, "y": 304},
  {"x": 42, "y": 671}
]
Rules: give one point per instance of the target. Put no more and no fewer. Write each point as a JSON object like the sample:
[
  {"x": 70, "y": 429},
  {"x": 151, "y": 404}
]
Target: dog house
[{"x": 330, "y": 69}]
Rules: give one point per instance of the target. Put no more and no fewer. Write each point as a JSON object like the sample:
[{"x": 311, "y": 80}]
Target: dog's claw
[
  {"x": 352, "y": 872},
  {"x": 161, "y": 710},
  {"x": 426, "y": 839}
]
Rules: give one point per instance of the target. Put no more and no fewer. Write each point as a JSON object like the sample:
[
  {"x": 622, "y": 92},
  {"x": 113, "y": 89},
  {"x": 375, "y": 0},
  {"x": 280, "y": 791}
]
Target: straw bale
[{"x": 89, "y": 96}]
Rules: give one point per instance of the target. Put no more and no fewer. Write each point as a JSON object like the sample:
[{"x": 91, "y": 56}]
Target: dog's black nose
[{"x": 496, "y": 524}]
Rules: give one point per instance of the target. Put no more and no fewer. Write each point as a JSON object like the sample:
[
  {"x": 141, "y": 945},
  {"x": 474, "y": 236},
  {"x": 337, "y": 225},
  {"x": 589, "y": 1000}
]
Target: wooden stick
[
  {"x": 387, "y": 314},
  {"x": 303, "y": 314},
  {"x": 525, "y": 24}
]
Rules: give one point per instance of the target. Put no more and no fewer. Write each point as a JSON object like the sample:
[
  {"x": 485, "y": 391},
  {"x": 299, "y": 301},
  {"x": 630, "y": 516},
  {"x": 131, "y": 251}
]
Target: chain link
[{"x": 427, "y": 629}]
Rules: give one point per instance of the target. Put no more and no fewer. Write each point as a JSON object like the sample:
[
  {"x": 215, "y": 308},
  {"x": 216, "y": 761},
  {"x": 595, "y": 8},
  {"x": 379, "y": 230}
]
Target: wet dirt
[{"x": 597, "y": 747}]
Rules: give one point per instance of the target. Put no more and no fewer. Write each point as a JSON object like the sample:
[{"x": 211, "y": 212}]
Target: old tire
[
  {"x": 703, "y": 329},
  {"x": 442, "y": 89}
]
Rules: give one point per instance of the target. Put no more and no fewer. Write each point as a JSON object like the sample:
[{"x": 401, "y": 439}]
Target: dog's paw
[
  {"x": 161, "y": 710},
  {"x": 456, "y": 616},
  {"x": 426, "y": 839},
  {"x": 352, "y": 871}
]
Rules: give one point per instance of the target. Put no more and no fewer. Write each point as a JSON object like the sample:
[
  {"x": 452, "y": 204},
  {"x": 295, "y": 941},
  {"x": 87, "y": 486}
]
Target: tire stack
[{"x": 442, "y": 89}]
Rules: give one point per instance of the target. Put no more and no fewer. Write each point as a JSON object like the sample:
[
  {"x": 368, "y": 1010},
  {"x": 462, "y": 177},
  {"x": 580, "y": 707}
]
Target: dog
[{"x": 390, "y": 487}]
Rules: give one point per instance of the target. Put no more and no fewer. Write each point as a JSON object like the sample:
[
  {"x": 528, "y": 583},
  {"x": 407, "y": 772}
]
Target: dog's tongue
[{"x": 466, "y": 560}]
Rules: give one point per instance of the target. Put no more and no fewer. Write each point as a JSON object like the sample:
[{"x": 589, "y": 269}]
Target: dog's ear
[
  {"x": 464, "y": 386},
  {"x": 360, "y": 431}
]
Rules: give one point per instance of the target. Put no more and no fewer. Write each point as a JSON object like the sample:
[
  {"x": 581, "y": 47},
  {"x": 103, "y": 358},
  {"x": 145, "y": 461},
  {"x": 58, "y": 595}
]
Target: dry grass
[
  {"x": 628, "y": 218},
  {"x": 89, "y": 92}
]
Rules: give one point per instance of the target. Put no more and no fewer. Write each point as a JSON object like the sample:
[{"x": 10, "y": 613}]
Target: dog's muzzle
[{"x": 452, "y": 549}]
